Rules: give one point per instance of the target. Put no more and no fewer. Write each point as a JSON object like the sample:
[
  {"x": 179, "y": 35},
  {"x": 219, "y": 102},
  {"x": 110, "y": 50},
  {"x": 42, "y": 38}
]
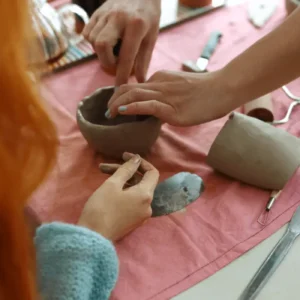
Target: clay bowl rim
[{"x": 81, "y": 118}]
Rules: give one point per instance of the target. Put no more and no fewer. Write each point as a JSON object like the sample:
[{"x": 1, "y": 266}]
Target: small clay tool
[
  {"x": 274, "y": 195},
  {"x": 273, "y": 260},
  {"x": 200, "y": 65},
  {"x": 260, "y": 108}
]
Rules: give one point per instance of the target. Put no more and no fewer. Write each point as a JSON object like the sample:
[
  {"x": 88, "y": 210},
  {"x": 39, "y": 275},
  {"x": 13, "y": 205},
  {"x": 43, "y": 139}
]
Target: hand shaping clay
[
  {"x": 113, "y": 137},
  {"x": 260, "y": 108},
  {"x": 255, "y": 152},
  {"x": 175, "y": 193}
]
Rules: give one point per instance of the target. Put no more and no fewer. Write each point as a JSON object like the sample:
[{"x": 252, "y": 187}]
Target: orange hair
[{"x": 27, "y": 151}]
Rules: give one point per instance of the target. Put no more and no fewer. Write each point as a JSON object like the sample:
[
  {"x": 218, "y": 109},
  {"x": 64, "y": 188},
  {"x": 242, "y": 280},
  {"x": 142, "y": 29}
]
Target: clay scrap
[
  {"x": 113, "y": 137},
  {"x": 255, "y": 152},
  {"x": 175, "y": 193}
]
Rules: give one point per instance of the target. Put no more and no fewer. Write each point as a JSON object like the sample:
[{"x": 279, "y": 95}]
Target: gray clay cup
[{"x": 113, "y": 137}]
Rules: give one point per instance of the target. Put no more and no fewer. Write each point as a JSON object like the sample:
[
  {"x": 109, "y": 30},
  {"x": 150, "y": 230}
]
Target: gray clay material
[
  {"x": 113, "y": 137},
  {"x": 254, "y": 152},
  {"x": 175, "y": 193}
]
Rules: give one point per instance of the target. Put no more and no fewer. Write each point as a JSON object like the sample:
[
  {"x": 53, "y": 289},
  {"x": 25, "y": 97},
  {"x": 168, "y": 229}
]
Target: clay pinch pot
[{"x": 112, "y": 137}]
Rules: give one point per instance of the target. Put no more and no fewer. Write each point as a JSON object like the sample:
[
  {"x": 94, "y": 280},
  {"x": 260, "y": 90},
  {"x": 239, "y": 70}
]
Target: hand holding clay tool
[
  {"x": 296, "y": 101},
  {"x": 200, "y": 65},
  {"x": 273, "y": 260},
  {"x": 171, "y": 195}
]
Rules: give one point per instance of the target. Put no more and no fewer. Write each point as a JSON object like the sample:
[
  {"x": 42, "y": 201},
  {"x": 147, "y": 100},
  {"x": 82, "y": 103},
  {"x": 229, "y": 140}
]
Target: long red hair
[{"x": 27, "y": 151}]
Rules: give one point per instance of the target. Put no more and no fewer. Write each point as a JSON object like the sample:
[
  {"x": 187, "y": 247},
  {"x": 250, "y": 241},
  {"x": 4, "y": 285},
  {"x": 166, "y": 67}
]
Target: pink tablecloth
[{"x": 169, "y": 254}]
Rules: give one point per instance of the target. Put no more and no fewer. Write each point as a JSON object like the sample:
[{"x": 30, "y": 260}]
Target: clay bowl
[{"x": 112, "y": 137}]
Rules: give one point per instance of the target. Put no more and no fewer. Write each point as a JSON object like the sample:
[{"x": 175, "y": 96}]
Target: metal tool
[
  {"x": 273, "y": 260},
  {"x": 274, "y": 195},
  {"x": 200, "y": 65},
  {"x": 296, "y": 101}
]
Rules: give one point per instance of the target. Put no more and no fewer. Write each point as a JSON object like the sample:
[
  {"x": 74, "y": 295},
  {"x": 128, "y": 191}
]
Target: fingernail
[
  {"x": 116, "y": 88},
  {"x": 136, "y": 159},
  {"x": 107, "y": 114},
  {"x": 122, "y": 108}
]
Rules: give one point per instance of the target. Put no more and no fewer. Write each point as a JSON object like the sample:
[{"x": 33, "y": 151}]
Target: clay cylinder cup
[
  {"x": 254, "y": 152},
  {"x": 112, "y": 137}
]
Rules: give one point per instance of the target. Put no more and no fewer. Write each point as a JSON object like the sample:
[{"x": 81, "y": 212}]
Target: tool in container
[
  {"x": 274, "y": 259},
  {"x": 201, "y": 64}
]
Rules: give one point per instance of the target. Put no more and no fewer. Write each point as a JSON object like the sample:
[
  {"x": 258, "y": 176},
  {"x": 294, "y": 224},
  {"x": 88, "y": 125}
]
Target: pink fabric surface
[{"x": 169, "y": 254}]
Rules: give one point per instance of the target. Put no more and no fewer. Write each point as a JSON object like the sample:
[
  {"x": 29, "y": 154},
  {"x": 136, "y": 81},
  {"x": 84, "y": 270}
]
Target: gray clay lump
[{"x": 175, "y": 193}]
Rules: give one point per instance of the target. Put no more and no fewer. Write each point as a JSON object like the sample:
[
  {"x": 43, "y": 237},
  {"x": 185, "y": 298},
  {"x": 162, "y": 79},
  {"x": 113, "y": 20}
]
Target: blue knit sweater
[{"x": 74, "y": 263}]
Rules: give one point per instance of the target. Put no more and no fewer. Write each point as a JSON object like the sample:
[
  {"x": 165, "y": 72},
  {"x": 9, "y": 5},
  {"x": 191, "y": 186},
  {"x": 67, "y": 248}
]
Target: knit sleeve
[{"x": 74, "y": 263}]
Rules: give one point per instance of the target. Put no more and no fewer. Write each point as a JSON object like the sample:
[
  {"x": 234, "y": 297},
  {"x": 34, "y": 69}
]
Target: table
[{"x": 230, "y": 281}]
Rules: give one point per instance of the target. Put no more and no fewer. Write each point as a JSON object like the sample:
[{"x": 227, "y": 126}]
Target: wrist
[
  {"x": 236, "y": 85},
  {"x": 96, "y": 228}
]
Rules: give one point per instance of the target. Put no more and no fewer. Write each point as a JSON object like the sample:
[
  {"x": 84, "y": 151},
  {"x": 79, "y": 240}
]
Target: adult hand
[
  {"x": 136, "y": 22},
  {"x": 114, "y": 210},
  {"x": 178, "y": 98}
]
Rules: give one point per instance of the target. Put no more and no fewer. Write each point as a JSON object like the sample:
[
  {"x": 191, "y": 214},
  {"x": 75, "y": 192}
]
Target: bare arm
[
  {"x": 270, "y": 63},
  {"x": 184, "y": 99}
]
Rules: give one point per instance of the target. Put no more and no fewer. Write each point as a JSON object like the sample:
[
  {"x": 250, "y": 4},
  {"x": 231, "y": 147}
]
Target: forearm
[{"x": 270, "y": 63}]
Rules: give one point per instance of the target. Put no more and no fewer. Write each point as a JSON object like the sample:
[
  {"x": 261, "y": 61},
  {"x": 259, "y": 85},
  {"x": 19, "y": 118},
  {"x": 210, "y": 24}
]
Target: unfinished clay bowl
[{"x": 112, "y": 137}]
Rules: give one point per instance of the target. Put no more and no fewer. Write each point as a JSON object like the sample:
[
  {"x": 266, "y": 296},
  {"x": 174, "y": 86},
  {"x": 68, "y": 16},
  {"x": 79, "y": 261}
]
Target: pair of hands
[
  {"x": 178, "y": 98},
  {"x": 123, "y": 201},
  {"x": 137, "y": 24}
]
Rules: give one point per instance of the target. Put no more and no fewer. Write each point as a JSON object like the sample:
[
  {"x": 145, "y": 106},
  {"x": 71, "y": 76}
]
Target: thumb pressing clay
[
  {"x": 255, "y": 152},
  {"x": 175, "y": 193}
]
